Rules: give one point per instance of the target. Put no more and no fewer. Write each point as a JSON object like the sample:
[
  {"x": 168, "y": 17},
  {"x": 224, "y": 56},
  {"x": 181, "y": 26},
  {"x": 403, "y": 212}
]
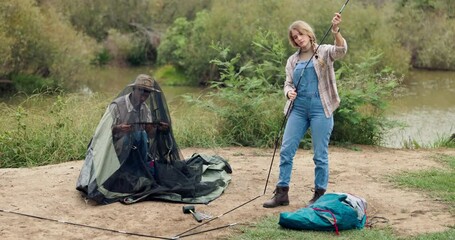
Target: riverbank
[{"x": 49, "y": 192}]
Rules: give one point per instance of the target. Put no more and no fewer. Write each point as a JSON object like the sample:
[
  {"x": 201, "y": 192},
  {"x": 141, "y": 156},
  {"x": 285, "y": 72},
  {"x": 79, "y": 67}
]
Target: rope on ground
[
  {"x": 200, "y": 225},
  {"x": 84, "y": 225}
]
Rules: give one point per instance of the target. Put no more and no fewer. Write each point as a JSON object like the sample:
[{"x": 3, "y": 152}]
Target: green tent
[{"x": 133, "y": 155}]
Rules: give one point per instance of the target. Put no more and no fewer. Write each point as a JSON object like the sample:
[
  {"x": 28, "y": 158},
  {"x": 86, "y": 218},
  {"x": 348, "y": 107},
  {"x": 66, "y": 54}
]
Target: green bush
[
  {"x": 33, "y": 84},
  {"x": 142, "y": 22},
  {"x": 364, "y": 93},
  {"x": 436, "y": 18},
  {"x": 102, "y": 58},
  {"x": 186, "y": 46},
  {"x": 140, "y": 53},
  {"x": 244, "y": 101},
  {"x": 96, "y": 17},
  {"x": 129, "y": 49},
  {"x": 247, "y": 102},
  {"x": 171, "y": 49},
  {"x": 41, "y": 44},
  {"x": 235, "y": 23}
]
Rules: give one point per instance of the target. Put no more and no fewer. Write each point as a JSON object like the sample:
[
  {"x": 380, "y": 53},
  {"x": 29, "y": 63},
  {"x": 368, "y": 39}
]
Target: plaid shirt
[{"x": 323, "y": 66}]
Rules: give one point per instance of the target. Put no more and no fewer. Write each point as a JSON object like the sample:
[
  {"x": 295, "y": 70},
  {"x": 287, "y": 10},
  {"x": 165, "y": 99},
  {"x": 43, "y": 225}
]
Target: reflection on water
[
  {"x": 426, "y": 106},
  {"x": 425, "y": 89}
]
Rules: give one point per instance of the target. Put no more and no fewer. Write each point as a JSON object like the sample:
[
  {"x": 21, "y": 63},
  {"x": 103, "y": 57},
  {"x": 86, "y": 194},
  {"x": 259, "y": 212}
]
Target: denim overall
[{"x": 307, "y": 112}]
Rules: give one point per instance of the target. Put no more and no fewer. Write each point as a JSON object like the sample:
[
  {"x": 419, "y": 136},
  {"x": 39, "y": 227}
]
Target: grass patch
[
  {"x": 445, "y": 141},
  {"x": 47, "y": 129},
  {"x": 437, "y": 182},
  {"x": 268, "y": 228},
  {"x": 436, "y": 236},
  {"x": 196, "y": 132}
]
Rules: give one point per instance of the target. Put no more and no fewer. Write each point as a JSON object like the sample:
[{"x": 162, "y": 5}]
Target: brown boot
[
  {"x": 280, "y": 198},
  {"x": 317, "y": 194}
]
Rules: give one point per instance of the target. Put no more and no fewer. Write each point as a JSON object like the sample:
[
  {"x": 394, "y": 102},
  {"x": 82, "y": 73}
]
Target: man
[{"x": 133, "y": 125}]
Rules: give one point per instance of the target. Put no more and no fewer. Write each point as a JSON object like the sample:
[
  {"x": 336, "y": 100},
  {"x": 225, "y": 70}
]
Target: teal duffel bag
[{"x": 331, "y": 212}]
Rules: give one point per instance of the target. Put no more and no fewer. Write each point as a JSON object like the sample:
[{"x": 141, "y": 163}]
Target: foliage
[
  {"x": 33, "y": 84},
  {"x": 437, "y": 182},
  {"x": 118, "y": 45},
  {"x": 5, "y": 53},
  {"x": 141, "y": 52},
  {"x": 102, "y": 57},
  {"x": 440, "y": 142},
  {"x": 48, "y": 38},
  {"x": 133, "y": 49},
  {"x": 143, "y": 21},
  {"x": 364, "y": 91},
  {"x": 169, "y": 75},
  {"x": 196, "y": 127},
  {"x": 235, "y": 23},
  {"x": 185, "y": 47},
  {"x": 97, "y": 17},
  {"x": 171, "y": 49},
  {"x": 40, "y": 44},
  {"x": 429, "y": 38},
  {"x": 367, "y": 28},
  {"x": 186, "y": 42},
  {"x": 244, "y": 100},
  {"x": 32, "y": 137}
]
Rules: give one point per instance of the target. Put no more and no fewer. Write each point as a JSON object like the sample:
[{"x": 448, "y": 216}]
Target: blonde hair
[{"x": 303, "y": 28}]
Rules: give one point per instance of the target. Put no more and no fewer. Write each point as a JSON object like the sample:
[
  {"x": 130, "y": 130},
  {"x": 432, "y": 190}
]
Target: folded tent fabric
[{"x": 331, "y": 212}]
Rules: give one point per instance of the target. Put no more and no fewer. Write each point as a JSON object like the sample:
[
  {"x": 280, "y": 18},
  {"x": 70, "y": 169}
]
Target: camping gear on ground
[
  {"x": 191, "y": 209},
  {"x": 144, "y": 161},
  {"x": 332, "y": 211}
]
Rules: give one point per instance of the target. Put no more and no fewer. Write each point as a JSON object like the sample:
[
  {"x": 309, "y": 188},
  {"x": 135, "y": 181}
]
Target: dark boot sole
[{"x": 273, "y": 206}]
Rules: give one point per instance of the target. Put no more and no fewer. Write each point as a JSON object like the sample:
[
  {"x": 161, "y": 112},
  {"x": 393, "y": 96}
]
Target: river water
[{"x": 426, "y": 106}]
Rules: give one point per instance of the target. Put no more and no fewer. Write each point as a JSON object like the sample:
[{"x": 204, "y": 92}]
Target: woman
[{"x": 311, "y": 88}]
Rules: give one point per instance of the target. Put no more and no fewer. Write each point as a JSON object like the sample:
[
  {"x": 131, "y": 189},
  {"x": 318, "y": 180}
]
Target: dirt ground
[{"x": 35, "y": 194}]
